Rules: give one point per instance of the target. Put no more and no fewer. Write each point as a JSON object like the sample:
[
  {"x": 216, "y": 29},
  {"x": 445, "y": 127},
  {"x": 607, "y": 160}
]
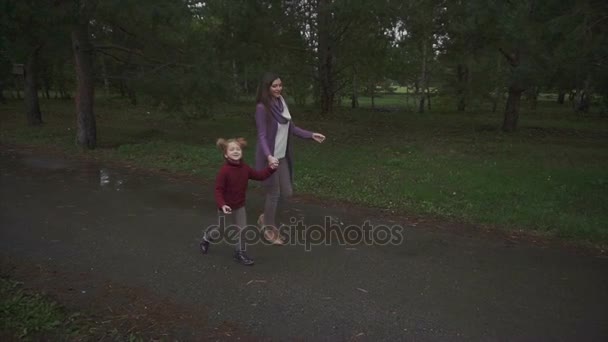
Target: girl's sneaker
[
  {"x": 242, "y": 258},
  {"x": 204, "y": 246}
]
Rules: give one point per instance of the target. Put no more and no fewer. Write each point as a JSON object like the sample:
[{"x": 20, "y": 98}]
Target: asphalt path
[{"x": 425, "y": 284}]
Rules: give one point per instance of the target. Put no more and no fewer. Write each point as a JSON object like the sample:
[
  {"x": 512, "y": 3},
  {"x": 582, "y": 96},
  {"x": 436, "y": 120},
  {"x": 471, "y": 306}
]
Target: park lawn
[
  {"x": 548, "y": 178},
  {"x": 31, "y": 315},
  {"x": 26, "y": 315}
]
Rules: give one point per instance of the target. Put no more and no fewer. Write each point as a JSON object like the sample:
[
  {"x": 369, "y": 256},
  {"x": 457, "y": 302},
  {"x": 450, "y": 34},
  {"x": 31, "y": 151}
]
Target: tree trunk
[
  {"x": 32, "y": 105},
  {"x": 17, "y": 86},
  {"x": 325, "y": 58},
  {"x": 575, "y": 97},
  {"x": 571, "y": 96},
  {"x": 355, "y": 98},
  {"x": 428, "y": 91},
  {"x": 582, "y": 102},
  {"x": 582, "y": 97},
  {"x": 104, "y": 75},
  {"x": 462, "y": 105},
  {"x": 534, "y": 97},
  {"x": 61, "y": 90},
  {"x": 121, "y": 88},
  {"x": 83, "y": 61},
  {"x": 512, "y": 109},
  {"x": 561, "y": 97},
  {"x": 46, "y": 83},
  {"x": 497, "y": 89},
  {"x": 372, "y": 92},
  {"x": 354, "y": 103},
  {"x": 235, "y": 80},
  {"x": 132, "y": 95},
  {"x": 422, "y": 78},
  {"x": 462, "y": 72},
  {"x": 421, "y": 103},
  {"x": 47, "y": 90},
  {"x": 515, "y": 91},
  {"x": 2, "y": 98}
]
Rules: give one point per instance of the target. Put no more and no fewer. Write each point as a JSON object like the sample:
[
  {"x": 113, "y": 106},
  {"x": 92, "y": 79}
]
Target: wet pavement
[{"x": 143, "y": 230}]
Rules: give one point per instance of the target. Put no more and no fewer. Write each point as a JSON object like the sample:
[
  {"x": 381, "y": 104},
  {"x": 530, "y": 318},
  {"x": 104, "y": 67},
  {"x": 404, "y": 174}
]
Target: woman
[{"x": 275, "y": 127}]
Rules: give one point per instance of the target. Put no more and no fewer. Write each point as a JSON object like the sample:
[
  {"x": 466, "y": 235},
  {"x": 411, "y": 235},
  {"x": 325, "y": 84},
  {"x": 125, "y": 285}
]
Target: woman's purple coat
[{"x": 267, "y": 132}]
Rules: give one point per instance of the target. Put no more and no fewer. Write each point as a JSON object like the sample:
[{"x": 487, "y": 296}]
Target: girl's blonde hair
[{"x": 222, "y": 143}]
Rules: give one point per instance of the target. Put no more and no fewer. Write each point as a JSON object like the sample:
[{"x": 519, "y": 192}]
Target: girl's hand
[
  {"x": 226, "y": 209},
  {"x": 274, "y": 165},
  {"x": 272, "y": 160},
  {"x": 318, "y": 137}
]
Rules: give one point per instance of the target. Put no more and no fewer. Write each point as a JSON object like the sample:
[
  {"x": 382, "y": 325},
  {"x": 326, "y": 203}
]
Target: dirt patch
[{"x": 113, "y": 311}]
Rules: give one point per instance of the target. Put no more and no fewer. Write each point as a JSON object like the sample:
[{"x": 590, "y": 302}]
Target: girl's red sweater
[{"x": 231, "y": 183}]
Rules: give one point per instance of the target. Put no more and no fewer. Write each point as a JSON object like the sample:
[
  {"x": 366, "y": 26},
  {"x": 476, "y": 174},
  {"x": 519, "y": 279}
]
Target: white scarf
[{"x": 286, "y": 113}]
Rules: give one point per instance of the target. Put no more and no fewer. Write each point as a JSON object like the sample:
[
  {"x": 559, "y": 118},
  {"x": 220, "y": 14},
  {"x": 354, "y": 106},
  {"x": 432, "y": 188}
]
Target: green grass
[
  {"x": 553, "y": 181},
  {"x": 29, "y": 316},
  {"x": 549, "y": 177}
]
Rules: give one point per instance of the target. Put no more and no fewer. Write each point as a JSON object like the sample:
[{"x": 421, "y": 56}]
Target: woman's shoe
[{"x": 271, "y": 234}]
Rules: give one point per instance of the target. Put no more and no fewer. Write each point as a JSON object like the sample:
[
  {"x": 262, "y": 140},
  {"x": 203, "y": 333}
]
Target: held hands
[
  {"x": 226, "y": 209},
  {"x": 318, "y": 137},
  {"x": 273, "y": 162}
]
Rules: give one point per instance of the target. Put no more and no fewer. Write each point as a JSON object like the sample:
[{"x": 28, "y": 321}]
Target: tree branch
[
  {"x": 340, "y": 87},
  {"x": 115, "y": 57},
  {"x": 339, "y": 71},
  {"x": 294, "y": 48},
  {"x": 125, "y": 31},
  {"x": 157, "y": 64},
  {"x": 338, "y": 36},
  {"x": 127, "y": 50},
  {"x": 513, "y": 58}
]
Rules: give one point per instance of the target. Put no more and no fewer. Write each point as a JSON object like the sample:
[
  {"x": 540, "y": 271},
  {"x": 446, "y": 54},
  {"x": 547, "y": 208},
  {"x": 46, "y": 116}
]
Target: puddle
[
  {"x": 47, "y": 163},
  {"x": 50, "y": 174},
  {"x": 110, "y": 180}
]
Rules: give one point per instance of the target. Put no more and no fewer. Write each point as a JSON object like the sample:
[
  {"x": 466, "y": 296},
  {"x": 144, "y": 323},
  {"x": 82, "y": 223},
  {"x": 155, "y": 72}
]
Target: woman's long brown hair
[{"x": 264, "y": 95}]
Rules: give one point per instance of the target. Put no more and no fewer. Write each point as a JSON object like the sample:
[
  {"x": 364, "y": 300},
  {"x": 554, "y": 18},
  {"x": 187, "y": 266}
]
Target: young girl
[{"x": 231, "y": 188}]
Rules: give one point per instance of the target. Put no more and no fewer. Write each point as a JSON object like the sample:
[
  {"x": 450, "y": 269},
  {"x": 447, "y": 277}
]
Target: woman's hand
[
  {"x": 318, "y": 137},
  {"x": 226, "y": 209},
  {"x": 272, "y": 161}
]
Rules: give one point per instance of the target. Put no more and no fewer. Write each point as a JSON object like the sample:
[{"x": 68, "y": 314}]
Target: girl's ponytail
[{"x": 221, "y": 144}]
